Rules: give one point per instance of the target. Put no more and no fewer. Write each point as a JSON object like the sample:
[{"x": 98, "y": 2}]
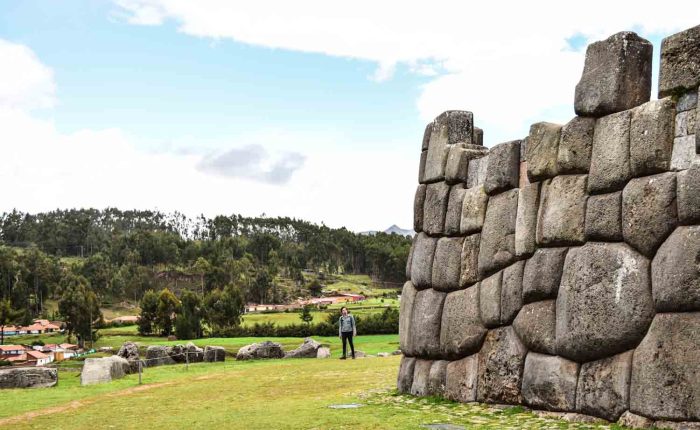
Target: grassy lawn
[{"x": 279, "y": 394}]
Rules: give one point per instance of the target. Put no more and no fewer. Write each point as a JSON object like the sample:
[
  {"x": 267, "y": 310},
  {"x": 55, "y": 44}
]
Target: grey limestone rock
[
  {"x": 437, "y": 378},
  {"x": 408, "y": 297},
  {"x": 604, "y": 305},
  {"x": 604, "y": 218},
  {"x": 255, "y": 351},
  {"x": 405, "y": 378},
  {"x": 526, "y": 220},
  {"x": 470, "y": 260},
  {"x": 628, "y": 419},
  {"x": 665, "y": 369},
  {"x": 542, "y": 150},
  {"x": 535, "y": 326},
  {"x": 562, "y": 213},
  {"x": 543, "y": 274},
  {"x": 616, "y": 75},
  {"x": 422, "y": 261},
  {"x": 308, "y": 349},
  {"x": 688, "y": 200},
  {"x": 425, "y": 323},
  {"x": 675, "y": 273},
  {"x": 104, "y": 369},
  {"x": 457, "y": 165},
  {"x": 421, "y": 167},
  {"x": 435, "y": 207},
  {"x": 421, "y": 376},
  {"x": 651, "y": 137},
  {"x": 490, "y": 300},
  {"x": 512, "y": 291},
  {"x": 684, "y": 153},
  {"x": 478, "y": 136},
  {"x": 685, "y": 124},
  {"x": 610, "y": 158},
  {"x": 497, "y": 247},
  {"x": 462, "y": 331},
  {"x": 603, "y": 386},
  {"x": 680, "y": 62},
  {"x": 462, "y": 377},
  {"x": 453, "y": 217},
  {"x": 418, "y": 202},
  {"x": 447, "y": 264},
  {"x": 477, "y": 171},
  {"x": 28, "y": 377},
  {"x": 409, "y": 260},
  {"x": 501, "y": 362},
  {"x": 195, "y": 354},
  {"x": 687, "y": 101},
  {"x": 503, "y": 169},
  {"x": 649, "y": 212},
  {"x": 473, "y": 210},
  {"x": 549, "y": 382},
  {"x": 575, "y": 145},
  {"x": 158, "y": 355},
  {"x": 426, "y": 136}
]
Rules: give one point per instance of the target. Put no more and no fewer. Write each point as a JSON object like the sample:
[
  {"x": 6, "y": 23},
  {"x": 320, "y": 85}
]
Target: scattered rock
[
  {"x": 158, "y": 355},
  {"x": 383, "y": 354},
  {"x": 28, "y": 377},
  {"x": 265, "y": 349},
  {"x": 105, "y": 369},
  {"x": 323, "y": 352},
  {"x": 308, "y": 349},
  {"x": 255, "y": 351}
]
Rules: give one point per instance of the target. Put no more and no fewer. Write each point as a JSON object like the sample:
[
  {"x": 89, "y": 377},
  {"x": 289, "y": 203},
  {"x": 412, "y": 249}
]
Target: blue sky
[{"x": 311, "y": 109}]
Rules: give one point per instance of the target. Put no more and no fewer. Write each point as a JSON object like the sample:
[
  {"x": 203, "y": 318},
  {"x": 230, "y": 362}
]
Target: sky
[{"x": 310, "y": 109}]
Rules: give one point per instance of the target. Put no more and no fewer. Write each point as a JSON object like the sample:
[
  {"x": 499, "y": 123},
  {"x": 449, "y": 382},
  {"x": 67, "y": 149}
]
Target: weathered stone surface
[
  {"x": 603, "y": 386},
  {"x": 195, "y": 354},
  {"x": 436, "y": 378},
  {"x": 501, "y": 361},
  {"x": 418, "y": 202},
  {"x": 497, "y": 247},
  {"x": 28, "y": 377},
  {"x": 325, "y": 352},
  {"x": 688, "y": 184},
  {"x": 604, "y": 305},
  {"x": 425, "y": 323},
  {"x": 408, "y": 297},
  {"x": 543, "y": 274},
  {"x": 687, "y": 101},
  {"x": 436, "y": 158},
  {"x": 434, "y": 208},
  {"x": 447, "y": 264},
  {"x": 535, "y": 326},
  {"x": 680, "y": 62},
  {"x": 421, "y": 167},
  {"x": 477, "y": 170},
  {"x": 457, "y": 165},
  {"x": 158, "y": 355},
  {"x": 490, "y": 300},
  {"x": 561, "y": 217},
  {"x": 473, "y": 210},
  {"x": 651, "y": 137},
  {"x": 426, "y": 136},
  {"x": 628, "y": 419},
  {"x": 422, "y": 265},
  {"x": 421, "y": 376},
  {"x": 454, "y": 126},
  {"x": 462, "y": 376},
  {"x": 503, "y": 169},
  {"x": 512, "y": 291},
  {"x": 526, "y": 219},
  {"x": 105, "y": 369},
  {"x": 405, "y": 377},
  {"x": 675, "y": 273},
  {"x": 462, "y": 331},
  {"x": 604, "y": 218},
  {"x": 130, "y": 351},
  {"x": 453, "y": 217},
  {"x": 308, "y": 349},
  {"x": 409, "y": 260},
  {"x": 549, "y": 382},
  {"x": 610, "y": 158},
  {"x": 255, "y": 351},
  {"x": 542, "y": 149},
  {"x": 685, "y": 124},
  {"x": 616, "y": 75},
  {"x": 575, "y": 145},
  {"x": 649, "y": 212},
  {"x": 684, "y": 153},
  {"x": 478, "y": 136},
  {"x": 665, "y": 369},
  {"x": 676, "y": 425},
  {"x": 470, "y": 260}
]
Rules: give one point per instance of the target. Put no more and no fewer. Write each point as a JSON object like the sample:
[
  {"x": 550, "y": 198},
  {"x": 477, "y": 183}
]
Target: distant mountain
[{"x": 393, "y": 229}]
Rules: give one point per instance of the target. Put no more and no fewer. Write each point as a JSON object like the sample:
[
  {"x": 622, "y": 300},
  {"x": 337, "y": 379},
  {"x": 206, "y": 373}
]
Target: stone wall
[{"x": 561, "y": 271}]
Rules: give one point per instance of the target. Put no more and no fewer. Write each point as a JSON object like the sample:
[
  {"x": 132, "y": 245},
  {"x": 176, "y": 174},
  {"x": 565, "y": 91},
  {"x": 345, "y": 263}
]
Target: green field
[{"x": 273, "y": 394}]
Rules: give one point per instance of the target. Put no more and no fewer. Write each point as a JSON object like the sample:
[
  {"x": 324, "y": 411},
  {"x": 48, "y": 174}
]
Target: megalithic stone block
[
  {"x": 453, "y": 217},
  {"x": 504, "y": 167},
  {"x": 497, "y": 248},
  {"x": 462, "y": 377},
  {"x": 421, "y": 167},
  {"x": 470, "y": 260},
  {"x": 549, "y": 382},
  {"x": 603, "y": 387},
  {"x": 405, "y": 377},
  {"x": 421, "y": 376},
  {"x": 680, "y": 62},
  {"x": 418, "y": 203},
  {"x": 425, "y": 323},
  {"x": 462, "y": 331},
  {"x": 616, "y": 75},
  {"x": 409, "y": 260},
  {"x": 535, "y": 326},
  {"x": 604, "y": 218},
  {"x": 675, "y": 274},
  {"x": 526, "y": 220},
  {"x": 651, "y": 137},
  {"x": 542, "y": 150},
  {"x": 478, "y": 137},
  {"x": 490, "y": 300},
  {"x": 422, "y": 262},
  {"x": 435, "y": 208},
  {"x": 512, "y": 291},
  {"x": 575, "y": 145},
  {"x": 473, "y": 210},
  {"x": 447, "y": 264},
  {"x": 688, "y": 183},
  {"x": 542, "y": 274},
  {"x": 610, "y": 159},
  {"x": 437, "y": 378},
  {"x": 562, "y": 213},
  {"x": 408, "y": 298},
  {"x": 501, "y": 362}
]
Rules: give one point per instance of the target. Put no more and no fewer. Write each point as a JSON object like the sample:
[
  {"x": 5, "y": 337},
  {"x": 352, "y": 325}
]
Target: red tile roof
[
  {"x": 12, "y": 348},
  {"x": 36, "y": 354}
]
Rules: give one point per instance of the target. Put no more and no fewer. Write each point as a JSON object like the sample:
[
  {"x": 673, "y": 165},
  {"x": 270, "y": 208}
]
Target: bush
[{"x": 5, "y": 363}]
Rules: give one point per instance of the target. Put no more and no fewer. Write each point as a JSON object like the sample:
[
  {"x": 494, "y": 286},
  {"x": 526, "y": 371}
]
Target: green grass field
[{"x": 273, "y": 394}]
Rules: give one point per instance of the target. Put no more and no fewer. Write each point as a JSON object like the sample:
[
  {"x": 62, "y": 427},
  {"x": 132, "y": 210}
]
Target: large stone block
[
  {"x": 684, "y": 153},
  {"x": 453, "y": 217},
  {"x": 501, "y": 361},
  {"x": 542, "y": 148},
  {"x": 666, "y": 368},
  {"x": 462, "y": 377},
  {"x": 435, "y": 161},
  {"x": 409, "y": 260},
  {"x": 473, "y": 210},
  {"x": 604, "y": 305},
  {"x": 610, "y": 158},
  {"x": 497, "y": 248},
  {"x": 490, "y": 300},
  {"x": 680, "y": 62},
  {"x": 687, "y": 101},
  {"x": 437, "y": 378},
  {"x": 435, "y": 207},
  {"x": 688, "y": 184},
  {"x": 422, "y": 262},
  {"x": 616, "y": 75},
  {"x": 685, "y": 124},
  {"x": 104, "y": 369},
  {"x": 477, "y": 171},
  {"x": 418, "y": 202},
  {"x": 427, "y": 133},
  {"x": 549, "y": 382},
  {"x": 503, "y": 169},
  {"x": 421, "y": 167},
  {"x": 651, "y": 137},
  {"x": 470, "y": 260},
  {"x": 526, "y": 219},
  {"x": 603, "y": 387},
  {"x": 404, "y": 381},
  {"x": 574, "y": 155},
  {"x": 408, "y": 297},
  {"x": 447, "y": 264},
  {"x": 457, "y": 165},
  {"x": 535, "y": 326},
  {"x": 28, "y": 377},
  {"x": 543, "y": 274},
  {"x": 425, "y": 323},
  {"x": 675, "y": 273},
  {"x": 421, "y": 376},
  {"x": 448, "y": 129},
  {"x": 512, "y": 291},
  {"x": 604, "y": 218},
  {"x": 649, "y": 212},
  {"x": 562, "y": 213},
  {"x": 462, "y": 331}
]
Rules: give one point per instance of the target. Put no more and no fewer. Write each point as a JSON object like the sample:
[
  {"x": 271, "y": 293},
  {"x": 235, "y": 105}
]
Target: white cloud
[
  {"x": 25, "y": 83},
  {"x": 508, "y": 62}
]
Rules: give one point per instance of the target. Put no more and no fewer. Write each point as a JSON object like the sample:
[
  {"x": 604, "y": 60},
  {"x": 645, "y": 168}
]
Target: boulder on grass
[
  {"x": 105, "y": 369},
  {"x": 214, "y": 353},
  {"x": 308, "y": 349},
  {"x": 255, "y": 351},
  {"x": 195, "y": 353},
  {"x": 130, "y": 351},
  {"x": 28, "y": 377},
  {"x": 323, "y": 352},
  {"x": 158, "y": 355}
]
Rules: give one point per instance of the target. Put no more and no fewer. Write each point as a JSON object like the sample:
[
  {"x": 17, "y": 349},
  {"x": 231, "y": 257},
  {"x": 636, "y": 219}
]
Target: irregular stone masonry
[{"x": 560, "y": 270}]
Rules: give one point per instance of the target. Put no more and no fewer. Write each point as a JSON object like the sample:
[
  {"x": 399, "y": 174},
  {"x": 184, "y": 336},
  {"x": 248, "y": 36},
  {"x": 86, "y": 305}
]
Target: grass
[{"x": 279, "y": 394}]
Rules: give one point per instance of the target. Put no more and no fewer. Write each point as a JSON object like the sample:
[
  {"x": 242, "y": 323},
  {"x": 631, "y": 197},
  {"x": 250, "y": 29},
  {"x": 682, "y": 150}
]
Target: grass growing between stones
[{"x": 279, "y": 394}]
